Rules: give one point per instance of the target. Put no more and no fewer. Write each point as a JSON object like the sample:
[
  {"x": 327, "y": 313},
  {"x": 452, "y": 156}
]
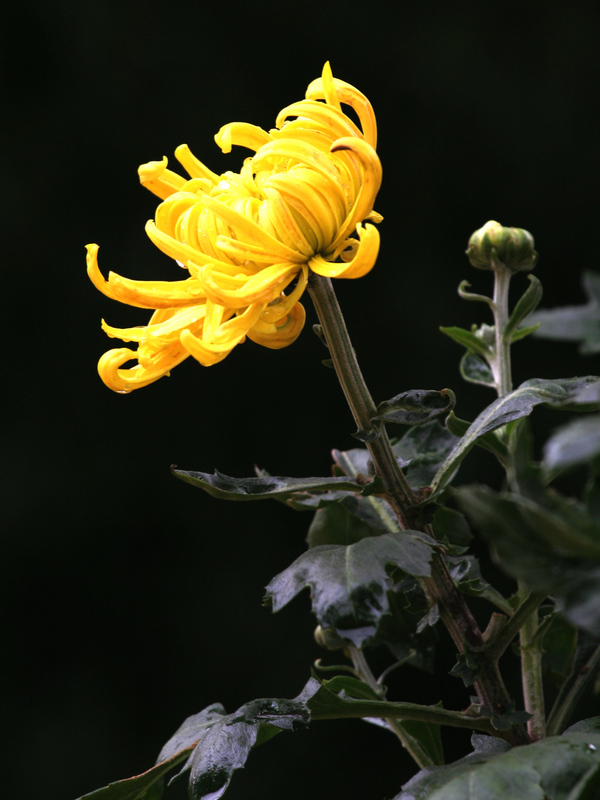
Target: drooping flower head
[{"x": 247, "y": 240}]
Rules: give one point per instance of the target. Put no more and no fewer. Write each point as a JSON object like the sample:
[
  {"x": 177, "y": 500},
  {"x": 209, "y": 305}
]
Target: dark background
[{"x": 131, "y": 600}]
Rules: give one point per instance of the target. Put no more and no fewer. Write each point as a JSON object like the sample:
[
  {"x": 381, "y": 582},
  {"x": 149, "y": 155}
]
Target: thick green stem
[
  {"x": 439, "y": 588},
  {"x": 497, "y": 646},
  {"x": 531, "y": 674},
  {"x": 501, "y": 367}
]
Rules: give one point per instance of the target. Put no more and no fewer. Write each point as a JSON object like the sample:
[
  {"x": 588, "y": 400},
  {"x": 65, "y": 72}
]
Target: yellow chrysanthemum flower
[{"x": 245, "y": 238}]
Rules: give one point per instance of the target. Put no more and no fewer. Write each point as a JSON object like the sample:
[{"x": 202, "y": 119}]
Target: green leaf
[
  {"x": 266, "y": 487},
  {"x": 225, "y": 746},
  {"x": 489, "y": 441},
  {"x": 215, "y": 744},
  {"x": 475, "y": 369},
  {"x": 577, "y": 442},
  {"x": 470, "y": 340},
  {"x": 528, "y": 302},
  {"x": 556, "y": 768},
  {"x": 334, "y": 524},
  {"x": 574, "y": 323},
  {"x": 147, "y": 786},
  {"x": 564, "y": 393},
  {"x": 415, "y": 407},
  {"x": 451, "y": 525},
  {"x": 553, "y": 550},
  {"x": 398, "y": 631},
  {"x": 349, "y": 584},
  {"x": 560, "y": 646},
  {"x": 422, "y": 450}
]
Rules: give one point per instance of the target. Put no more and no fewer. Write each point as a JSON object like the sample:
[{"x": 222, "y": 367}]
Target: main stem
[
  {"x": 531, "y": 646},
  {"x": 439, "y": 587}
]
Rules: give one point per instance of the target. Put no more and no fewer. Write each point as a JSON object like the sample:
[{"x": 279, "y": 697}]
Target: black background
[{"x": 129, "y": 599}]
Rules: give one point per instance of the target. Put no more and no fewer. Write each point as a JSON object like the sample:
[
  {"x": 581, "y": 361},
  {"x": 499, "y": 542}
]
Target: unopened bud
[{"x": 494, "y": 246}]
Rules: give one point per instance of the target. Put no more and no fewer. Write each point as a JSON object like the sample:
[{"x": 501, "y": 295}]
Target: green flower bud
[{"x": 494, "y": 246}]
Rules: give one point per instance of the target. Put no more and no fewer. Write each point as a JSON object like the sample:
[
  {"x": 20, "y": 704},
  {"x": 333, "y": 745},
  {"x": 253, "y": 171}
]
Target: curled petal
[
  {"x": 250, "y": 233},
  {"x": 309, "y": 112},
  {"x": 371, "y": 183},
  {"x": 301, "y": 152},
  {"x": 363, "y": 261},
  {"x": 124, "y": 381},
  {"x": 184, "y": 253},
  {"x": 278, "y": 336},
  {"x": 194, "y": 167},
  {"x": 238, "y": 292},
  {"x": 350, "y": 96},
  {"x": 243, "y": 134},
  {"x": 281, "y": 307},
  {"x": 329, "y": 87},
  {"x": 161, "y": 181}
]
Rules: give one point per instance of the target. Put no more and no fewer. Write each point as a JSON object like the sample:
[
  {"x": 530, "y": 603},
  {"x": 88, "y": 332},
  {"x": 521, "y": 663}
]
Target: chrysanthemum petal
[
  {"x": 159, "y": 180},
  {"x": 278, "y": 336},
  {"x": 237, "y": 292},
  {"x": 124, "y": 381},
  {"x": 193, "y": 166},
  {"x": 371, "y": 182},
  {"x": 336, "y": 122},
  {"x": 143, "y": 294},
  {"x": 207, "y": 356},
  {"x": 362, "y": 263},
  {"x": 350, "y": 96},
  {"x": 251, "y": 234},
  {"x": 281, "y": 307},
  {"x": 243, "y": 134}
]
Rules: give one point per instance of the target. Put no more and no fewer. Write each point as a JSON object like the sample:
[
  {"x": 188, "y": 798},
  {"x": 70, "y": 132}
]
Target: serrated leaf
[
  {"x": 268, "y": 487},
  {"x": 415, "y": 407},
  {"x": 349, "y": 584},
  {"x": 551, "y": 769},
  {"x": 564, "y": 393},
  {"x": 574, "y": 323},
  {"x": 224, "y": 747}
]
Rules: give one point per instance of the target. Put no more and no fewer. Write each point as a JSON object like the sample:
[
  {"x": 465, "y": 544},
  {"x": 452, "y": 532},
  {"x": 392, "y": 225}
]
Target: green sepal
[
  {"x": 349, "y": 584},
  {"x": 416, "y": 406},
  {"x": 265, "y": 487},
  {"x": 577, "y": 394},
  {"x": 563, "y": 767},
  {"x": 527, "y": 303},
  {"x": 574, "y": 323},
  {"x": 468, "y": 339}
]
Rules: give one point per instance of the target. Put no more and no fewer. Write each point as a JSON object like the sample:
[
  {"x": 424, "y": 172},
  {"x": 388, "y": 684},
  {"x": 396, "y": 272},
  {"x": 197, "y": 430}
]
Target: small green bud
[{"x": 494, "y": 246}]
